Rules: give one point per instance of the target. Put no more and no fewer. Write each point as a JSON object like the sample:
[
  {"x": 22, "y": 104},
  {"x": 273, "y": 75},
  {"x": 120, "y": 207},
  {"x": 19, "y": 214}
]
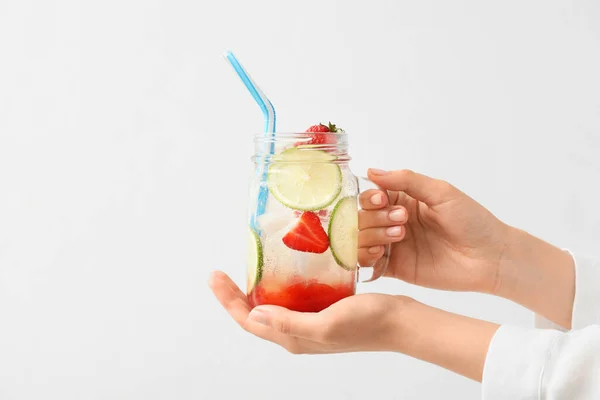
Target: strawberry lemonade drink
[{"x": 302, "y": 251}]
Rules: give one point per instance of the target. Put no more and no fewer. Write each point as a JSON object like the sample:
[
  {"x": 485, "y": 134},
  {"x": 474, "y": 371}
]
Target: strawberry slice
[{"x": 307, "y": 235}]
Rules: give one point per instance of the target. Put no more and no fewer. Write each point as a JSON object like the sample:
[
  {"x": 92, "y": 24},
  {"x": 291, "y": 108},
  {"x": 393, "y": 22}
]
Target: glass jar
[{"x": 302, "y": 250}]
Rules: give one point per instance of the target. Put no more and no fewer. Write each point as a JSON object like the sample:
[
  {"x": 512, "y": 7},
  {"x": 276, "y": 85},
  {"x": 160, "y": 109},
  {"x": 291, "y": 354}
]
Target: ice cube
[
  {"x": 278, "y": 258},
  {"x": 272, "y": 222},
  {"x": 312, "y": 265},
  {"x": 274, "y": 206}
]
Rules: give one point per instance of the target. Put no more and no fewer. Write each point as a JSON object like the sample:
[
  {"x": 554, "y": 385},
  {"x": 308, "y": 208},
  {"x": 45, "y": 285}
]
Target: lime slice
[
  {"x": 254, "y": 261},
  {"x": 305, "y": 180},
  {"x": 343, "y": 233}
]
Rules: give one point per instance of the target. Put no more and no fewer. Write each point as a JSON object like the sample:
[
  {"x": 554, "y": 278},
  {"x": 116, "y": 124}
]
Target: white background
[{"x": 125, "y": 141}]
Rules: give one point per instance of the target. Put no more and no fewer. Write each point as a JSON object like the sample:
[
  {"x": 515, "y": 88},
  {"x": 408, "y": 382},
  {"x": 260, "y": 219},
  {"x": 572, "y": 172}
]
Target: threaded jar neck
[{"x": 267, "y": 146}]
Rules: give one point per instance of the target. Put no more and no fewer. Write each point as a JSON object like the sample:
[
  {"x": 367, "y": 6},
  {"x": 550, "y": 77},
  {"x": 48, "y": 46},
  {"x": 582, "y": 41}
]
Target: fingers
[
  {"x": 287, "y": 322},
  {"x": 423, "y": 188},
  {"x": 236, "y": 304},
  {"x": 230, "y": 296},
  {"x": 378, "y": 228},
  {"x": 291, "y": 330},
  {"x": 368, "y": 256},
  {"x": 372, "y": 199},
  {"x": 389, "y": 216},
  {"x": 380, "y": 236}
]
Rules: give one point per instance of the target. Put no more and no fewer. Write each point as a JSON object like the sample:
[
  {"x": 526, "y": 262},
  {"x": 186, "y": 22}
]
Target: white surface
[{"x": 121, "y": 186}]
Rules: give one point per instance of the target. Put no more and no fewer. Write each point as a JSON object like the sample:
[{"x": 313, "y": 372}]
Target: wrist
[
  {"x": 399, "y": 337},
  {"x": 538, "y": 276},
  {"x": 451, "y": 341}
]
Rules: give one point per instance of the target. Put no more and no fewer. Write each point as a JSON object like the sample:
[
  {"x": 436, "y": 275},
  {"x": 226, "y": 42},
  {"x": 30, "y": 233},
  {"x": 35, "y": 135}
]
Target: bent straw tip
[{"x": 227, "y": 54}]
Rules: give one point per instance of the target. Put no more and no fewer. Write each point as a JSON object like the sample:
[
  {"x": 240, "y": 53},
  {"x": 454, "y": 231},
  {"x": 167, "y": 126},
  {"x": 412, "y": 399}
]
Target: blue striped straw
[{"x": 269, "y": 115}]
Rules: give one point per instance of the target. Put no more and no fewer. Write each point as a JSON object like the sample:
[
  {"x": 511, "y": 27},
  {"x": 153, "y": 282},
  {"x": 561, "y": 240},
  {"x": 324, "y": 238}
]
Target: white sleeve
[{"x": 550, "y": 364}]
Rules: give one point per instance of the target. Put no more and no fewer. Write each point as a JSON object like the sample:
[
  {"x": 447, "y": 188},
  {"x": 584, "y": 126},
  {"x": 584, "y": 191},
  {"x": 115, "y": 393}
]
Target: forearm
[
  {"x": 538, "y": 276},
  {"x": 452, "y": 341}
]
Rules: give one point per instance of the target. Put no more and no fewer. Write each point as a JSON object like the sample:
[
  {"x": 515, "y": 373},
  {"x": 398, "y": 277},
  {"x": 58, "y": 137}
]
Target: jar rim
[
  {"x": 279, "y": 133},
  {"x": 293, "y": 135}
]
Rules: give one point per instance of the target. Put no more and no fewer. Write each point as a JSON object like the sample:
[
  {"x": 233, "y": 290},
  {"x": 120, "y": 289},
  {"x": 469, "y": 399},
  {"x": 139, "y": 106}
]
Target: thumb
[
  {"x": 304, "y": 325},
  {"x": 423, "y": 188}
]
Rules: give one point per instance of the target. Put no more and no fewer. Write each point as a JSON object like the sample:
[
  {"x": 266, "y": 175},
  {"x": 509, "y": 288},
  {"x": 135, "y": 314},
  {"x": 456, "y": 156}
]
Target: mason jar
[{"x": 302, "y": 250}]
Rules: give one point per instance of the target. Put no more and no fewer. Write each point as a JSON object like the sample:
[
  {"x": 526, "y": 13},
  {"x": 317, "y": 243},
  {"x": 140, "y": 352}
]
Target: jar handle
[{"x": 378, "y": 269}]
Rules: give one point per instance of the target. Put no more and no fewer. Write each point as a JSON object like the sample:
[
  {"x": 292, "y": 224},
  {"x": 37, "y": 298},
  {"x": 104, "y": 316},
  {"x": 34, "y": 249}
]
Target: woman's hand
[
  {"x": 441, "y": 238},
  {"x": 446, "y": 240},
  {"x": 364, "y": 322}
]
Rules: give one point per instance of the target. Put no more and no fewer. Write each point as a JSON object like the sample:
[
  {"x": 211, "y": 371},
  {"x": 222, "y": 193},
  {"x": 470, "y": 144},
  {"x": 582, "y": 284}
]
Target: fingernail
[
  {"x": 398, "y": 215},
  {"x": 377, "y": 199},
  {"x": 260, "y": 315},
  {"x": 374, "y": 249},
  {"x": 376, "y": 171},
  {"x": 394, "y": 231}
]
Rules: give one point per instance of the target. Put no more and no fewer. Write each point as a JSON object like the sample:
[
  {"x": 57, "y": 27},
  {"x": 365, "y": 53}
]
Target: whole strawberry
[
  {"x": 319, "y": 128},
  {"x": 322, "y": 134}
]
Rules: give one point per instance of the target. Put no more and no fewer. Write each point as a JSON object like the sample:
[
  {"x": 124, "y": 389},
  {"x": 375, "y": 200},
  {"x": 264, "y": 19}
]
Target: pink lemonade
[{"x": 299, "y": 294}]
